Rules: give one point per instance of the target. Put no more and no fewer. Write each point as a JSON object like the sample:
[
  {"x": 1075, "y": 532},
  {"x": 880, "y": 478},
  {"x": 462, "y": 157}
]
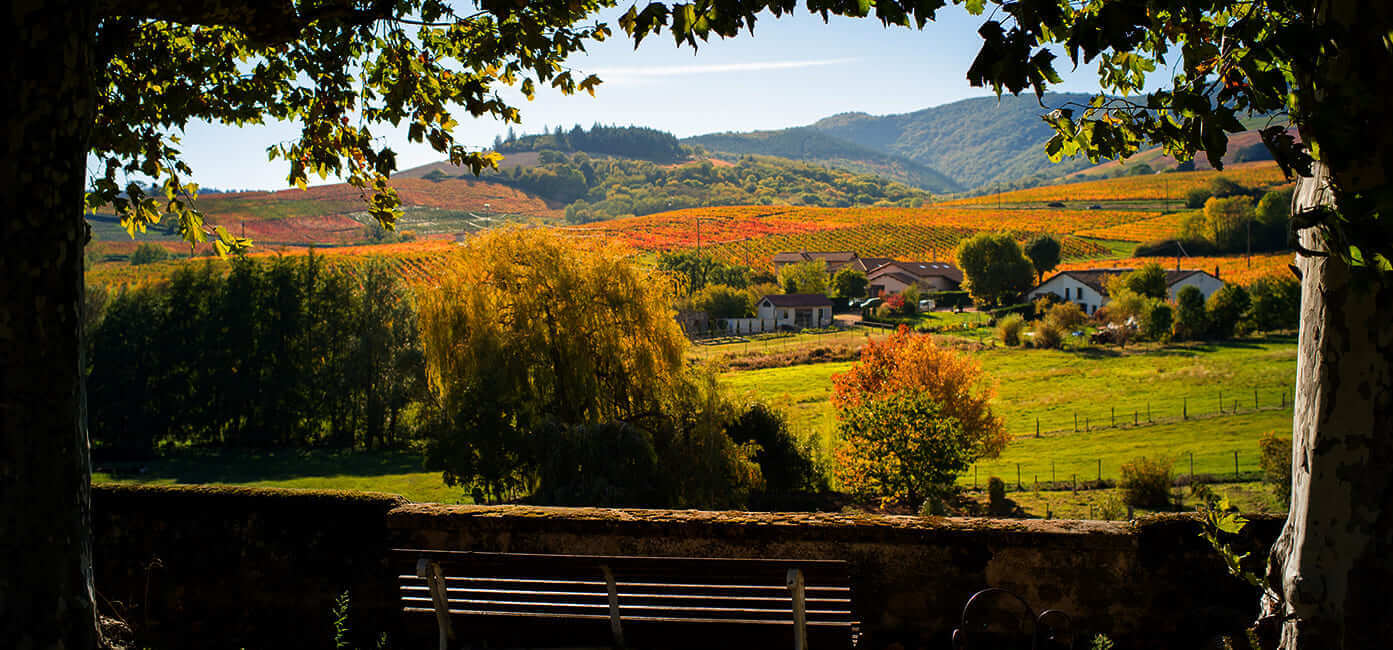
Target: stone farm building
[
  {"x": 884, "y": 275},
  {"x": 1088, "y": 287},
  {"x": 894, "y": 276}
]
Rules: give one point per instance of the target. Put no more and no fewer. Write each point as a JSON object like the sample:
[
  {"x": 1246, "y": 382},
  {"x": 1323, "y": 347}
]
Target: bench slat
[
  {"x": 641, "y": 619},
  {"x": 718, "y": 597},
  {"x": 629, "y": 595},
  {"x": 486, "y": 604}
]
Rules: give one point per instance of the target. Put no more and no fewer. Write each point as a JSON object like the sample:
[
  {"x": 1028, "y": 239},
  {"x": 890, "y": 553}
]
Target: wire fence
[
  {"x": 1196, "y": 403},
  {"x": 1187, "y": 468}
]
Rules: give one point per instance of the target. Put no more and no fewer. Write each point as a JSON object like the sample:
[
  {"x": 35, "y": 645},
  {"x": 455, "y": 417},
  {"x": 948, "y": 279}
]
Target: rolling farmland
[
  {"x": 1232, "y": 268},
  {"x": 753, "y": 234},
  {"x": 1133, "y": 188}
]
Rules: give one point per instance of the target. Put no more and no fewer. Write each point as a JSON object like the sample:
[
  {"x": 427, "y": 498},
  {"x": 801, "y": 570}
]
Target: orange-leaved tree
[{"x": 912, "y": 365}]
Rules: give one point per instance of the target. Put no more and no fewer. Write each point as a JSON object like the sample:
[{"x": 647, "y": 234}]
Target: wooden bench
[{"x": 528, "y": 600}]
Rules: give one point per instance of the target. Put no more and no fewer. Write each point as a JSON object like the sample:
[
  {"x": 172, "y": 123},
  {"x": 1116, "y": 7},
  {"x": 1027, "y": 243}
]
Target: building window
[{"x": 1066, "y": 293}]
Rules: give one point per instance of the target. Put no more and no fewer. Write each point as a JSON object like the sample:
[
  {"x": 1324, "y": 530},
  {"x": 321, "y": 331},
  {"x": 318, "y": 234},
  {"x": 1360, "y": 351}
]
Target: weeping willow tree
[{"x": 557, "y": 372}]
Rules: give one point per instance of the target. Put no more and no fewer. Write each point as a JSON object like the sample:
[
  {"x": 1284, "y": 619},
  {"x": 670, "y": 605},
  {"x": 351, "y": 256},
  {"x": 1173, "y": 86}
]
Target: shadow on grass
[{"x": 246, "y": 466}]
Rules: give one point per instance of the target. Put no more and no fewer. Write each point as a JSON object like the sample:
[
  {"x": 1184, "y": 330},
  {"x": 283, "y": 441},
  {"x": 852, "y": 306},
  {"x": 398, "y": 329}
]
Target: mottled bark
[
  {"x": 1334, "y": 560},
  {"x": 46, "y": 596},
  {"x": 1329, "y": 571}
]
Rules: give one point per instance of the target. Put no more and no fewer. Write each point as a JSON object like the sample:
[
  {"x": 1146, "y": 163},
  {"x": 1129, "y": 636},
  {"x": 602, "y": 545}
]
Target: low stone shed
[{"x": 258, "y": 568}]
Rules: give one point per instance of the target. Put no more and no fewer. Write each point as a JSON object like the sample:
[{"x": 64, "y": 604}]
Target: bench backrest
[{"x": 624, "y": 595}]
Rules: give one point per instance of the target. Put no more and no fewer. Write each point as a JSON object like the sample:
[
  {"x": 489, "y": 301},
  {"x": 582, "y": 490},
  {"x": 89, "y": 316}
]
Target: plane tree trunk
[
  {"x": 1330, "y": 568},
  {"x": 46, "y": 598}
]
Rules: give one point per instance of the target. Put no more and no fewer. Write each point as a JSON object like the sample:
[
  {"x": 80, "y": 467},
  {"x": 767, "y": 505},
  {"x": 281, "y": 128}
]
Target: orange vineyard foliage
[
  {"x": 1231, "y": 268},
  {"x": 342, "y": 199},
  {"x": 1165, "y": 226},
  {"x": 1148, "y": 187},
  {"x": 751, "y": 235}
]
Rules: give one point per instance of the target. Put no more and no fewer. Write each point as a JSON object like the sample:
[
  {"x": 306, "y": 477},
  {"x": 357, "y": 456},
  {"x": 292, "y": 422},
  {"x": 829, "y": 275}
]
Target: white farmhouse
[
  {"x": 1088, "y": 287},
  {"x": 796, "y": 310}
]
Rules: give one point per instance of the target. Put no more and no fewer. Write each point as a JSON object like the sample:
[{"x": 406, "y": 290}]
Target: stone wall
[{"x": 260, "y": 568}]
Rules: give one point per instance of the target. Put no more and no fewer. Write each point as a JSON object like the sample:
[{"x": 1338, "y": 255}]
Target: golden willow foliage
[
  {"x": 903, "y": 369},
  {"x": 557, "y": 370},
  {"x": 574, "y": 324}
]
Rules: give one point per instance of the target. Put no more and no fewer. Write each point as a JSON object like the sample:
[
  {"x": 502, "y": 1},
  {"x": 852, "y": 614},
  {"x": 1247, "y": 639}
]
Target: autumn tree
[
  {"x": 1043, "y": 252},
  {"x": 908, "y": 363},
  {"x": 900, "y": 448},
  {"x": 804, "y": 277},
  {"x": 721, "y": 301},
  {"x": 848, "y": 282},
  {"x": 994, "y": 268},
  {"x": 1227, "y": 220}
]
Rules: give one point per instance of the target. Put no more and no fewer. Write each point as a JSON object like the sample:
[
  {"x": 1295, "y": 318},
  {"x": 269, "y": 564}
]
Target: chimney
[{"x": 1216, "y": 270}]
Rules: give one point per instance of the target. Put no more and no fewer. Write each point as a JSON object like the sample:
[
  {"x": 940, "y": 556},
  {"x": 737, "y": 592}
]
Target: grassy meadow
[
  {"x": 395, "y": 472},
  {"x": 1180, "y": 384}
]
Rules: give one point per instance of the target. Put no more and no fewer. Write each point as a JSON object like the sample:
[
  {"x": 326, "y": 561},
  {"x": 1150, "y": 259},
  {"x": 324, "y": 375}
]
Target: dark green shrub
[
  {"x": 1195, "y": 198},
  {"x": 1158, "y": 322},
  {"x": 996, "y": 496},
  {"x": 949, "y": 299},
  {"x": 1191, "y": 321},
  {"x": 1146, "y": 482},
  {"x": 788, "y": 468},
  {"x": 1225, "y": 309},
  {"x": 148, "y": 253},
  {"x": 1275, "y": 460},
  {"x": 1174, "y": 247},
  {"x": 1276, "y": 303}
]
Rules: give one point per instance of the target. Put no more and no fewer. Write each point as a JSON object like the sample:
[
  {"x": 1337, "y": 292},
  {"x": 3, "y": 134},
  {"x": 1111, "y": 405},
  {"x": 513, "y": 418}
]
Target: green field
[
  {"x": 1172, "y": 382},
  {"x": 390, "y": 471},
  {"x": 1030, "y": 383}
]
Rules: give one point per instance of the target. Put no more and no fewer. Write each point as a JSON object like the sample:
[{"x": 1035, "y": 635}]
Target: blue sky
[{"x": 793, "y": 71}]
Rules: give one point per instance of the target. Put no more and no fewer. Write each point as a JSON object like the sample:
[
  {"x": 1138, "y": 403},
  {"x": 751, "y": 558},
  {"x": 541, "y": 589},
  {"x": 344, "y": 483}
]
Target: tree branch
[{"x": 265, "y": 21}]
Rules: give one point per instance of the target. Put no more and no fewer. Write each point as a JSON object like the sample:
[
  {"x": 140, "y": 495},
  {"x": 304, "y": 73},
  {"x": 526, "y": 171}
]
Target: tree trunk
[
  {"x": 46, "y": 596},
  {"x": 1334, "y": 560}
]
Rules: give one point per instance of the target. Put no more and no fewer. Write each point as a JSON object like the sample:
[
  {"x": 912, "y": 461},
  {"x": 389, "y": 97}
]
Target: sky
[{"x": 792, "y": 72}]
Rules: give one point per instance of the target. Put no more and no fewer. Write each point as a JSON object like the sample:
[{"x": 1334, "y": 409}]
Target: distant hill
[
  {"x": 808, "y": 144},
  {"x": 977, "y": 142},
  {"x": 1243, "y": 147},
  {"x": 972, "y": 143},
  {"x": 595, "y": 188}
]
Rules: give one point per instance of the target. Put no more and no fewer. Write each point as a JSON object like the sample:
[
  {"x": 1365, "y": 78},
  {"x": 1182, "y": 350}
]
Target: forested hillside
[
  {"x": 624, "y": 141},
  {"x": 811, "y": 145},
  {"x": 595, "y": 188},
  {"x": 976, "y": 141},
  {"x": 973, "y": 143}
]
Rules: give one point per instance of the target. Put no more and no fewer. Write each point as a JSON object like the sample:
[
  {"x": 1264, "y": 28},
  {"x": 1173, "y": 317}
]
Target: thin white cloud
[{"x": 660, "y": 71}]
